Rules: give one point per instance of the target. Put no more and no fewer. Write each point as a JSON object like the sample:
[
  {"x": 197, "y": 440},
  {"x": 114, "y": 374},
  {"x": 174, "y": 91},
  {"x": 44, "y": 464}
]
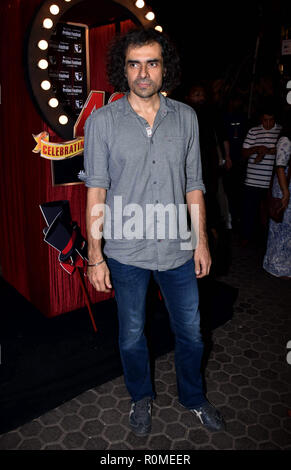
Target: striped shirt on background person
[{"x": 259, "y": 174}]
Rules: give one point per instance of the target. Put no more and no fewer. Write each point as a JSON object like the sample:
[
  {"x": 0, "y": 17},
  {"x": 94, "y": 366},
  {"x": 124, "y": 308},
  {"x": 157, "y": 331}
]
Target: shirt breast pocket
[{"x": 175, "y": 149}]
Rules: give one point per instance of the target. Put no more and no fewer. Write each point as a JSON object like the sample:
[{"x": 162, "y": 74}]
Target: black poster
[{"x": 68, "y": 58}]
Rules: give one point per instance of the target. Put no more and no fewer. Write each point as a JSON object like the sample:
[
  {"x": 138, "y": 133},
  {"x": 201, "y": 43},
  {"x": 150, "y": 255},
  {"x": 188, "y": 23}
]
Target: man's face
[
  {"x": 144, "y": 69},
  {"x": 197, "y": 96},
  {"x": 268, "y": 121}
]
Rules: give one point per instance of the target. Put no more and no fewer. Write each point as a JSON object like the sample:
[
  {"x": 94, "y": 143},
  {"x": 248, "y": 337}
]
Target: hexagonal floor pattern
[{"x": 248, "y": 378}]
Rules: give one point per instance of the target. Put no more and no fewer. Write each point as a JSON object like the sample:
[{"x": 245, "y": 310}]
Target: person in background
[
  {"x": 277, "y": 259},
  {"x": 235, "y": 121},
  {"x": 214, "y": 150},
  {"x": 197, "y": 99},
  {"x": 208, "y": 140},
  {"x": 259, "y": 149}
]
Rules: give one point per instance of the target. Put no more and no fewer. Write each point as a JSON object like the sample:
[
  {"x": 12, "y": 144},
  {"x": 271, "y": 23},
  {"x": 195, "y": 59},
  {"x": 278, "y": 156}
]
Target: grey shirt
[{"x": 144, "y": 169}]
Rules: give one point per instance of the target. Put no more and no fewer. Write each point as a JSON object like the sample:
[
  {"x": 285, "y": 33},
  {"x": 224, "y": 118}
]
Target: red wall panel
[{"x": 27, "y": 262}]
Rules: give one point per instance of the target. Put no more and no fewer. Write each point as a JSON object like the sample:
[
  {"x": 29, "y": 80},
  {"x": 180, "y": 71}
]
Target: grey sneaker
[
  {"x": 140, "y": 419},
  {"x": 210, "y": 417}
]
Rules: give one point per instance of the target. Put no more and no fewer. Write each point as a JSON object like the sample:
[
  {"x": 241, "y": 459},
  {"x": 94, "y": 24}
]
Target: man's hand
[
  {"x": 258, "y": 158},
  {"x": 228, "y": 163},
  {"x": 202, "y": 260},
  {"x": 261, "y": 152},
  {"x": 202, "y": 257},
  {"x": 99, "y": 276}
]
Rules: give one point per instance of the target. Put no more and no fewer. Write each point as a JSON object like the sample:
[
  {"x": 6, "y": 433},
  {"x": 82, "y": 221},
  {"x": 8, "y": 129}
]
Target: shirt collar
[
  {"x": 275, "y": 127},
  {"x": 165, "y": 105}
]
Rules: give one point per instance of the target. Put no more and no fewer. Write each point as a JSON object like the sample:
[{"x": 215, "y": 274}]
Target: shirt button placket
[{"x": 155, "y": 190}]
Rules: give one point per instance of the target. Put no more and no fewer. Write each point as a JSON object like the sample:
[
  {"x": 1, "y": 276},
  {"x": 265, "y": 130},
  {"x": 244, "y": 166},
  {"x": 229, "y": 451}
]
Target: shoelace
[
  {"x": 198, "y": 414},
  {"x": 140, "y": 408}
]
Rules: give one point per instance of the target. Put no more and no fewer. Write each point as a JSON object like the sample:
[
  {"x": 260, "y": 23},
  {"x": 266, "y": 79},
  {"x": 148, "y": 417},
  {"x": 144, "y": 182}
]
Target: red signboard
[{"x": 95, "y": 100}]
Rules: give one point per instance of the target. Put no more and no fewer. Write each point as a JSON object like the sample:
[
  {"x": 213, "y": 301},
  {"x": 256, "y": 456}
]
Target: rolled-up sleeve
[
  {"x": 193, "y": 161},
  {"x": 250, "y": 140},
  {"x": 96, "y": 153}
]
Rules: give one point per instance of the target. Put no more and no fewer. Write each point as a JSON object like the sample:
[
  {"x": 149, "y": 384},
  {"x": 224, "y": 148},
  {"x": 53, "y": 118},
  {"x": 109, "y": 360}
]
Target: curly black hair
[{"x": 140, "y": 37}]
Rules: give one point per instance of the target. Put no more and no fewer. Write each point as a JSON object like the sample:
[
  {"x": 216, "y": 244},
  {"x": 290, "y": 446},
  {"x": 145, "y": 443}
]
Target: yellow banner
[{"x": 57, "y": 150}]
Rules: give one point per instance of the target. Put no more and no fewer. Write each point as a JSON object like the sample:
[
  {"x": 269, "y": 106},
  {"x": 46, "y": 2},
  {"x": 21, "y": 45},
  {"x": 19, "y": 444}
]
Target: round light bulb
[
  {"x": 63, "y": 119},
  {"x": 43, "y": 64},
  {"x": 53, "y": 102},
  {"x": 45, "y": 85},
  {"x": 43, "y": 44},
  {"x": 150, "y": 16},
  {"x": 54, "y": 9},
  {"x": 159, "y": 28},
  {"x": 139, "y": 3},
  {"x": 47, "y": 23}
]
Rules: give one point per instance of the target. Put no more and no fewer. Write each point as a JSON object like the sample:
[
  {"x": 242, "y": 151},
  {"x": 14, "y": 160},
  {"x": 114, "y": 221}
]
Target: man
[
  {"x": 208, "y": 140},
  {"x": 142, "y": 151},
  {"x": 214, "y": 147},
  {"x": 259, "y": 148},
  {"x": 235, "y": 121}
]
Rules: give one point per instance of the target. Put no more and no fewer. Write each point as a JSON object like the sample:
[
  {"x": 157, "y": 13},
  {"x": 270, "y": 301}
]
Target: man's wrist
[
  {"x": 90, "y": 265},
  {"x": 203, "y": 241},
  {"x": 94, "y": 257}
]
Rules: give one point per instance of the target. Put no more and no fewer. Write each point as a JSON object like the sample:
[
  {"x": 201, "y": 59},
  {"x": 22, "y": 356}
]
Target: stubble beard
[{"x": 147, "y": 92}]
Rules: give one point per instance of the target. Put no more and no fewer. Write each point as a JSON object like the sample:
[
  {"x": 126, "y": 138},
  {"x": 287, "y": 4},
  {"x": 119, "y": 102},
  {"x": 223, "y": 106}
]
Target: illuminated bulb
[
  {"x": 159, "y": 28},
  {"x": 139, "y": 3},
  {"x": 43, "y": 45},
  {"x": 150, "y": 15},
  {"x": 45, "y": 85},
  {"x": 67, "y": 0},
  {"x": 53, "y": 102},
  {"x": 47, "y": 23},
  {"x": 63, "y": 119},
  {"x": 54, "y": 9},
  {"x": 43, "y": 64}
]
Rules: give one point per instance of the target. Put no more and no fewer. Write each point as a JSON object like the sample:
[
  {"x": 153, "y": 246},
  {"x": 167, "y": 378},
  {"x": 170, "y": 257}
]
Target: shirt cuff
[
  {"x": 195, "y": 185},
  {"x": 93, "y": 181}
]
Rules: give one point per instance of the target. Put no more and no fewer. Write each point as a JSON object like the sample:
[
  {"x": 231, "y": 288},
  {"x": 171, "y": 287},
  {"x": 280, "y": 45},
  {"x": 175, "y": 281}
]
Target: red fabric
[
  {"x": 126, "y": 26},
  {"x": 70, "y": 244},
  {"x": 23, "y": 174},
  {"x": 28, "y": 263},
  {"x": 99, "y": 39}
]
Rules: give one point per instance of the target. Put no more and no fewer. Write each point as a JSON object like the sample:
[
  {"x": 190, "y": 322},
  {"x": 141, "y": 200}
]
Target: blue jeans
[{"x": 180, "y": 291}]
